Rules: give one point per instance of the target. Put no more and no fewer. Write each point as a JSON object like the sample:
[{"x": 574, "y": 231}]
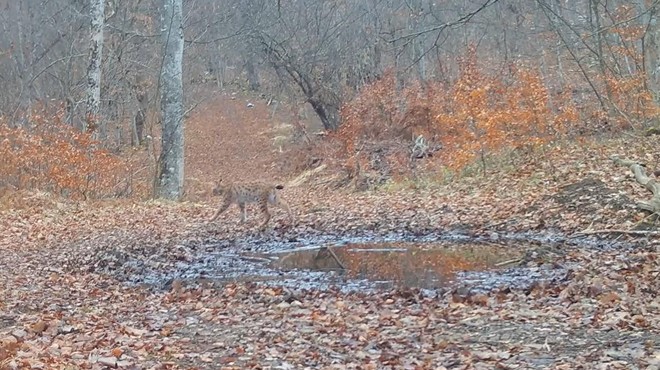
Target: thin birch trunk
[{"x": 171, "y": 166}]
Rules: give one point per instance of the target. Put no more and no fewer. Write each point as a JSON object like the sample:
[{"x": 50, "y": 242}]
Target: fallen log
[{"x": 652, "y": 205}]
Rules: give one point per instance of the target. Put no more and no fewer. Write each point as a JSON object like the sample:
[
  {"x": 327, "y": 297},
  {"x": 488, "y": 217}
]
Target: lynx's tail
[{"x": 279, "y": 187}]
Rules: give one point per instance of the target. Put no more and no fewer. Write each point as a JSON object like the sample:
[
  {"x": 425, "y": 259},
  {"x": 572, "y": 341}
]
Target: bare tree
[
  {"x": 170, "y": 177},
  {"x": 601, "y": 39},
  {"x": 309, "y": 44},
  {"x": 42, "y": 58},
  {"x": 92, "y": 119},
  {"x": 140, "y": 117},
  {"x": 649, "y": 46},
  {"x": 319, "y": 52}
]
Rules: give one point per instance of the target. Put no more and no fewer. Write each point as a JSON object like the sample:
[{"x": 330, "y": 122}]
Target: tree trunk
[
  {"x": 170, "y": 177},
  {"x": 140, "y": 118},
  {"x": 328, "y": 113},
  {"x": 252, "y": 74},
  {"x": 651, "y": 51},
  {"x": 137, "y": 132},
  {"x": 599, "y": 47},
  {"x": 92, "y": 119}
]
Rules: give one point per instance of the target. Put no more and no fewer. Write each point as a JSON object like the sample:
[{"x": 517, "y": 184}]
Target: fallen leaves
[{"x": 65, "y": 301}]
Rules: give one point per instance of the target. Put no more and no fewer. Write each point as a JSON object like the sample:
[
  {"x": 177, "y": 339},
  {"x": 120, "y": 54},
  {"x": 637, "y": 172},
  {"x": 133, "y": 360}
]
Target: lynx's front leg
[
  {"x": 274, "y": 199},
  {"x": 225, "y": 204},
  {"x": 285, "y": 206},
  {"x": 243, "y": 212}
]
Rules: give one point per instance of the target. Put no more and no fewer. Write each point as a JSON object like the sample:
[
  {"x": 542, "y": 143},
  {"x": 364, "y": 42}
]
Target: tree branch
[
  {"x": 653, "y": 205},
  {"x": 464, "y": 19}
]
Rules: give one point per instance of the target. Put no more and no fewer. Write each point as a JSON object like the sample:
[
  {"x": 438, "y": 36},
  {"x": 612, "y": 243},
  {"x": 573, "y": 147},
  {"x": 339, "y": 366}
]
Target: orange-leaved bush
[
  {"x": 629, "y": 95},
  {"x": 487, "y": 114},
  {"x": 476, "y": 115},
  {"x": 380, "y": 123},
  {"x": 47, "y": 154}
]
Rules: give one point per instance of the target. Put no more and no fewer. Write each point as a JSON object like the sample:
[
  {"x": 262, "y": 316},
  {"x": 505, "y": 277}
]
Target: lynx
[{"x": 250, "y": 192}]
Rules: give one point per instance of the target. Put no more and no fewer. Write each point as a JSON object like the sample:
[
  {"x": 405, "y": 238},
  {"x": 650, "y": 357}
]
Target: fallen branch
[
  {"x": 303, "y": 177},
  {"x": 504, "y": 263},
  {"x": 653, "y": 205},
  {"x": 256, "y": 259},
  {"x": 334, "y": 255},
  {"x": 618, "y": 231}
]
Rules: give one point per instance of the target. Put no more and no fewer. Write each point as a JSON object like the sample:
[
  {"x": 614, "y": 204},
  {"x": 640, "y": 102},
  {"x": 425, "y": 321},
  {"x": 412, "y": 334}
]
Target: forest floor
[{"x": 82, "y": 283}]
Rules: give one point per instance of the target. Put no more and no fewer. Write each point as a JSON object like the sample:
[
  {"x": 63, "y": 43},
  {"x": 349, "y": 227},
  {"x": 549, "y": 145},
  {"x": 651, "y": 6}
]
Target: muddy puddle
[
  {"x": 360, "y": 265},
  {"x": 407, "y": 264}
]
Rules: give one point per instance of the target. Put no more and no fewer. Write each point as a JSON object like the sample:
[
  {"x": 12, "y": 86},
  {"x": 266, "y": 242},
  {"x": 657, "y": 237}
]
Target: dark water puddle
[
  {"x": 360, "y": 264},
  {"x": 420, "y": 265},
  {"x": 364, "y": 262}
]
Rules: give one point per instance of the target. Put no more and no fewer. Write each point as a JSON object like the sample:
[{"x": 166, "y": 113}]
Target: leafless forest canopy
[
  {"x": 601, "y": 56},
  {"x": 318, "y": 51}
]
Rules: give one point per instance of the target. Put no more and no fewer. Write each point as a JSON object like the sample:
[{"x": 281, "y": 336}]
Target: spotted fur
[{"x": 250, "y": 192}]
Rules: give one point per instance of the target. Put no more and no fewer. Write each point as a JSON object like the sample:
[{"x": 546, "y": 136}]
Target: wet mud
[{"x": 431, "y": 263}]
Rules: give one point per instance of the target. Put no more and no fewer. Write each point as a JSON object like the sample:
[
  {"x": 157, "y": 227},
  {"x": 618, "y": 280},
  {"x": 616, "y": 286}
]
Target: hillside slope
[{"x": 226, "y": 138}]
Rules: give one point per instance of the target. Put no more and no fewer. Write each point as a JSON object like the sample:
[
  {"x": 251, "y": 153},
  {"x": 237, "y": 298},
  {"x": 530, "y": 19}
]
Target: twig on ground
[
  {"x": 645, "y": 218},
  {"x": 496, "y": 224},
  {"x": 504, "y": 263},
  {"x": 256, "y": 259},
  {"x": 618, "y": 231},
  {"x": 334, "y": 255}
]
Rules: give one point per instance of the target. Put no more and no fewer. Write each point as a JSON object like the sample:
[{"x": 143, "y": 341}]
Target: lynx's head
[{"x": 218, "y": 189}]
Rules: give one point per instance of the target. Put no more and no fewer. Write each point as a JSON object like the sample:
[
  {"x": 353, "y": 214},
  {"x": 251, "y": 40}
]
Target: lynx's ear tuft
[
  {"x": 217, "y": 188},
  {"x": 279, "y": 187}
]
